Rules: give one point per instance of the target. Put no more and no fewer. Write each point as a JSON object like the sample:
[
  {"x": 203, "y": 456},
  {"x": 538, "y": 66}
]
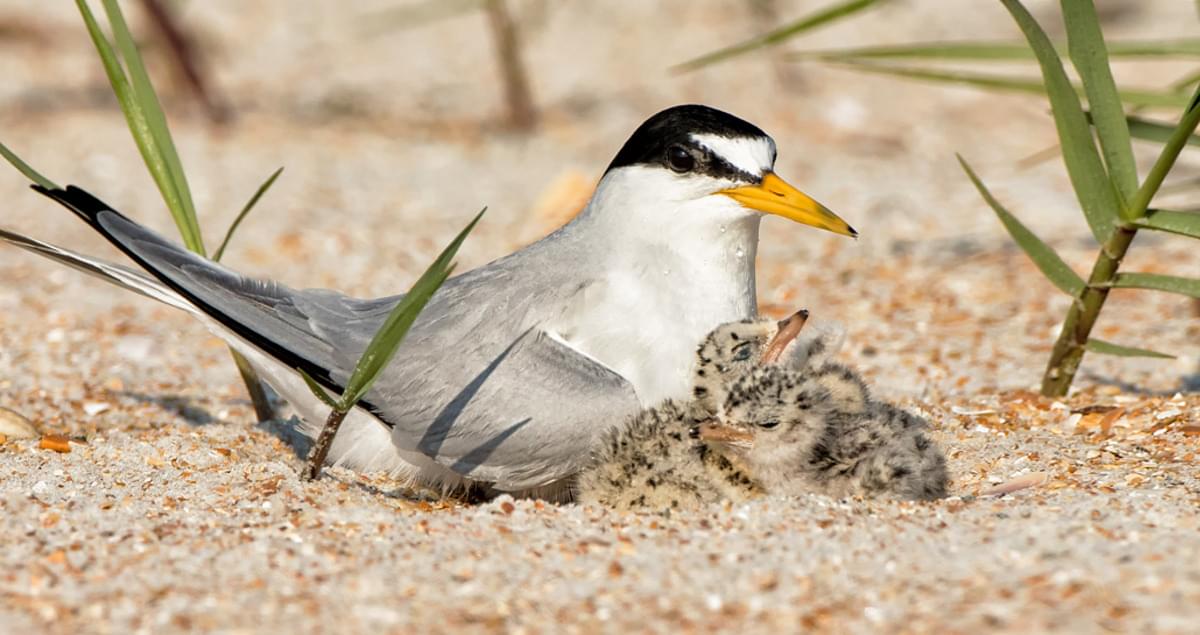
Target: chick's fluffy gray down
[{"x": 654, "y": 464}]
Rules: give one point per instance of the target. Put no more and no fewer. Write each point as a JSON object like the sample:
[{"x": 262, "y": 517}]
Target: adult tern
[{"x": 514, "y": 368}]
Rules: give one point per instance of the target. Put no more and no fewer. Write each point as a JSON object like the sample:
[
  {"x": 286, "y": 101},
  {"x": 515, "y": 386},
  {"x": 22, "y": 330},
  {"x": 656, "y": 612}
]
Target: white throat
[{"x": 671, "y": 267}]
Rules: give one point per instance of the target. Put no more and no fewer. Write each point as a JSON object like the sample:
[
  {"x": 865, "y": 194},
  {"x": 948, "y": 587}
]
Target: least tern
[{"x": 514, "y": 368}]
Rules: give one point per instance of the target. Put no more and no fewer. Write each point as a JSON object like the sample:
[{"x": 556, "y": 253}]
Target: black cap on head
[{"x": 665, "y": 140}]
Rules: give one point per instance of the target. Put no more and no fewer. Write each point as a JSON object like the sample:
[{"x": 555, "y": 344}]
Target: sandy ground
[{"x": 174, "y": 511}]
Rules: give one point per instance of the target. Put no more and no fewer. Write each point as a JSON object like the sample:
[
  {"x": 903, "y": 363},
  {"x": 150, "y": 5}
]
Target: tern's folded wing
[
  {"x": 477, "y": 385},
  {"x": 528, "y": 417}
]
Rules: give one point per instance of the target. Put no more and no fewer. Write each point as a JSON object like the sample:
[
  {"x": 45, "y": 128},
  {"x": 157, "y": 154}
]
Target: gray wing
[{"x": 477, "y": 385}]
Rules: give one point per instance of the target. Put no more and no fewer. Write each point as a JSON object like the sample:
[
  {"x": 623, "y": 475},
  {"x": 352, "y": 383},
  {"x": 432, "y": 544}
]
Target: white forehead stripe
[{"x": 752, "y": 155}]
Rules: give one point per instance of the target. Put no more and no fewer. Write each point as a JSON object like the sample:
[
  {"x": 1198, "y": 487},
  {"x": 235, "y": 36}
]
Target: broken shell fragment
[{"x": 15, "y": 426}]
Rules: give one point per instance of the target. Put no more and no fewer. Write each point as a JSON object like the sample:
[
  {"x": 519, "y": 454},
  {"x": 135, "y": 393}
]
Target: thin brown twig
[
  {"x": 183, "y": 52},
  {"x": 320, "y": 449},
  {"x": 517, "y": 96}
]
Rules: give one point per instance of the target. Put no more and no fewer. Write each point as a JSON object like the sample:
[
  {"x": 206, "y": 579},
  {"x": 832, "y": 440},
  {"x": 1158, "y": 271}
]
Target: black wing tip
[
  {"x": 77, "y": 200},
  {"x": 56, "y": 192}
]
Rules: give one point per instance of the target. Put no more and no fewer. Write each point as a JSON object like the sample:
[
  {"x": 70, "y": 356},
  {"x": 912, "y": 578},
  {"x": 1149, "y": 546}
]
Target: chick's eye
[
  {"x": 679, "y": 159},
  {"x": 768, "y": 423},
  {"x": 742, "y": 352}
]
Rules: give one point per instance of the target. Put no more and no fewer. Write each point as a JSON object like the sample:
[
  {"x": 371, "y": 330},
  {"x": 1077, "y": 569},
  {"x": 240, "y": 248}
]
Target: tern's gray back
[{"x": 478, "y": 385}]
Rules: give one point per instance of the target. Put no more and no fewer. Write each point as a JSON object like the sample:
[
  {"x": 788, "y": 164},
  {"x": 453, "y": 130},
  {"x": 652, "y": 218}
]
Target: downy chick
[
  {"x": 734, "y": 349},
  {"x": 816, "y": 429},
  {"x": 655, "y": 461}
]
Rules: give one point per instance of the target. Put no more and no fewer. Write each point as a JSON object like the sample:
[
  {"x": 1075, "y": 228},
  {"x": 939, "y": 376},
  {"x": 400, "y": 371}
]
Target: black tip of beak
[
  {"x": 801, "y": 315},
  {"x": 853, "y": 232}
]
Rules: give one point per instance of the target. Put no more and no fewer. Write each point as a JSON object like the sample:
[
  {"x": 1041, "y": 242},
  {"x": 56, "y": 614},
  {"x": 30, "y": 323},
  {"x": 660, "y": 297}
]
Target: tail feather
[
  {"x": 261, "y": 312},
  {"x": 110, "y": 272},
  {"x": 257, "y": 318},
  {"x": 84, "y": 205},
  {"x": 233, "y": 307}
]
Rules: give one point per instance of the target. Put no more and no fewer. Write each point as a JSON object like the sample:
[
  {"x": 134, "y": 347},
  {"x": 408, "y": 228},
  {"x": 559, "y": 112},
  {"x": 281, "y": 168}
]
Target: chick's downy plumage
[
  {"x": 817, "y": 429},
  {"x": 655, "y": 462},
  {"x": 725, "y": 354}
]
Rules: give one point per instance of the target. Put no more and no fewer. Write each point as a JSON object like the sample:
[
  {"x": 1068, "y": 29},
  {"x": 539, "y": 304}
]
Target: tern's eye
[
  {"x": 742, "y": 352},
  {"x": 679, "y": 159},
  {"x": 768, "y": 423}
]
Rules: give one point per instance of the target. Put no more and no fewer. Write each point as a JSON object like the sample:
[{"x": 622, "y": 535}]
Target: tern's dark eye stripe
[
  {"x": 722, "y": 169},
  {"x": 679, "y": 126}
]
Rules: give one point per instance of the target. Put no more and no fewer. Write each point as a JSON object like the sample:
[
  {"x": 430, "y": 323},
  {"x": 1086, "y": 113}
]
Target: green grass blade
[
  {"x": 386, "y": 340},
  {"x": 1158, "y": 282},
  {"x": 1084, "y": 167},
  {"x": 1166, "y": 159},
  {"x": 1185, "y": 83},
  {"x": 319, "y": 391},
  {"x": 1156, "y": 131},
  {"x": 1108, "y": 348},
  {"x": 1047, "y": 260},
  {"x": 146, "y": 101},
  {"x": 1085, "y": 43},
  {"x": 936, "y": 51},
  {"x": 136, "y": 120},
  {"x": 415, "y": 15},
  {"x": 134, "y": 116},
  {"x": 262, "y": 189},
  {"x": 996, "y": 51},
  {"x": 1182, "y": 223},
  {"x": 1181, "y": 47},
  {"x": 1134, "y": 98},
  {"x": 811, "y": 21},
  {"x": 24, "y": 168}
]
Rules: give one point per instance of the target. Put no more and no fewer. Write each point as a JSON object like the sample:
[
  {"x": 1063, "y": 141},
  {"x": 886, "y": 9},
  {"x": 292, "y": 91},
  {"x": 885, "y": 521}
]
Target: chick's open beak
[
  {"x": 789, "y": 328},
  {"x": 776, "y": 196}
]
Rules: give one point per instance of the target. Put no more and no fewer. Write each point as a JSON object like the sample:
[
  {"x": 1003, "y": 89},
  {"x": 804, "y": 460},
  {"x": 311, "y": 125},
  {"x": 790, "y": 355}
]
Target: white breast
[
  {"x": 668, "y": 278},
  {"x": 647, "y": 325}
]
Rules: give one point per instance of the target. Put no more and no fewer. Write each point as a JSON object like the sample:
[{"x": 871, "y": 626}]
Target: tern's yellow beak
[{"x": 776, "y": 196}]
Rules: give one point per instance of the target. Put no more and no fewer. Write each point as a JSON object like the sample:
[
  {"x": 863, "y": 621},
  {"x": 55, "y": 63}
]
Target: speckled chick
[
  {"x": 655, "y": 462},
  {"x": 732, "y": 350},
  {"x": 816, "y": 429}
]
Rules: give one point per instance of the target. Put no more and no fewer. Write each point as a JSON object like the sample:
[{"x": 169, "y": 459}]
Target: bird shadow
[
  {"x": 1188, "y": 383},
  {"x": 288, "y": 432},
  {"x": 471, "y": 494},
  {"x": 431, "y": 441},
  {"x": 181, "y": 406},
  {"x": 480, "y": 454}
]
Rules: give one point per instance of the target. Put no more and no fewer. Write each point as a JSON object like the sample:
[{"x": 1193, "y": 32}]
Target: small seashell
[
  {"x": 968, "y": 412},
  {"x": 55, "y": 442},
  {"x": 1032, "y": 479},
  {"x": 15, "y": 426},
  {"x": 93, "y": 408}
]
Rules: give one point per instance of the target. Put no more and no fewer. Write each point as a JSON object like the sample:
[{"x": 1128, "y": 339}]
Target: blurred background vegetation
[{"x": 418, "y": 112}]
